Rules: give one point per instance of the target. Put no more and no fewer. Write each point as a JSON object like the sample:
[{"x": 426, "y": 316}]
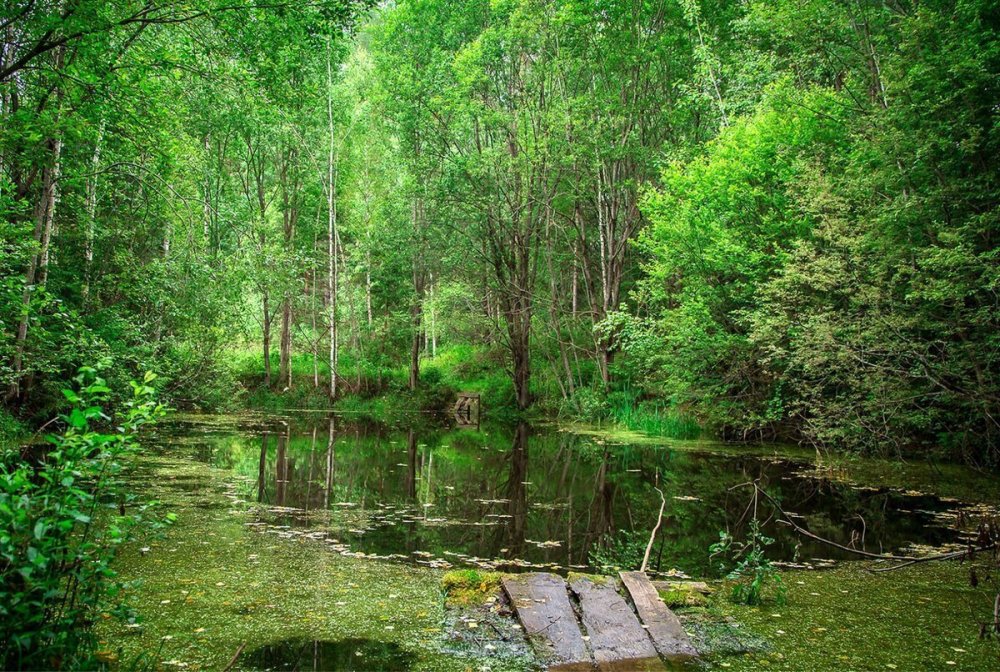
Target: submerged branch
[{"x": 905, "y": 560}]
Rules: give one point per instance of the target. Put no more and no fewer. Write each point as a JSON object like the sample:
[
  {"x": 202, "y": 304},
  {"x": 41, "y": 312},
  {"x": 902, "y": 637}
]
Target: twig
[
  {"x": 497, "y": 630},
  {"x": 532, "y": 634},
  {"x": 232, "y": 661},
  {"x": 41, "y": 429},
  {"x": 941, "y": 556},
  {"x": 652, "y": 536}
]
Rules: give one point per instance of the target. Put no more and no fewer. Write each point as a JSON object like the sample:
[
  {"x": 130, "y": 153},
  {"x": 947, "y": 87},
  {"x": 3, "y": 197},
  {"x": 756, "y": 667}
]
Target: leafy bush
[
  {"x": 585, "y": 404},
  {"x": 754, "y": 577},
  {"x": 62, "y": 516},
  {"x": 431, "y": 375},
  {"x": 10, "y": 427}
]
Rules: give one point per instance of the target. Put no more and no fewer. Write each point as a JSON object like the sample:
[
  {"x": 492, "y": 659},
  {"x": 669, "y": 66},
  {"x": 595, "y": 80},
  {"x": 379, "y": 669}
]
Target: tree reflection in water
[
  {"x": 454, "y": 494},
  {"x": 346, "y": 654}
]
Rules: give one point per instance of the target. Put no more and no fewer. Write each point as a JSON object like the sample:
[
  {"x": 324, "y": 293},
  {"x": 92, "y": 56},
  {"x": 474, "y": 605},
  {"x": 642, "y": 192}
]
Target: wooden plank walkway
[
  {"x": 663, "y": 626},
  {"x": 617, "y": 638},
  {"x": 542, "y": 604}
]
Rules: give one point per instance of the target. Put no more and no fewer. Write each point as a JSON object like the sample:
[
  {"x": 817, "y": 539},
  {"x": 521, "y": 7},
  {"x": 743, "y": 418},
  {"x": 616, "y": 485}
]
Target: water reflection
[
  {"x": 525, "y": 496},
  {"x": 345, "y": 654}
]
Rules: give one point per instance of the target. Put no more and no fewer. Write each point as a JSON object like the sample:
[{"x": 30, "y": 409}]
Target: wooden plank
[
  {"x": 662, "y": 624},
  {"x": 467, "y": 409},
  {"x": 543, "y": 607},
  {"x": 618, "y": 640}
]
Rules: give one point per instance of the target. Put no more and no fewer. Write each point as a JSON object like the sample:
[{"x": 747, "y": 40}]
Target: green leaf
[{"x": 77, "y": 419}]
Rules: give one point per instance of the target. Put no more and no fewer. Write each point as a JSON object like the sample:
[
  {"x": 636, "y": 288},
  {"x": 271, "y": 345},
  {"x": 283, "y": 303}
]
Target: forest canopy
[{"x": 763, "y": 220}]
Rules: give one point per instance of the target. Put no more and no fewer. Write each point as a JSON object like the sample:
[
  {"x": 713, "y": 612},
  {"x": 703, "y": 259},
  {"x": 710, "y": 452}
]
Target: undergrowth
[{"x": 64, "y": 512}]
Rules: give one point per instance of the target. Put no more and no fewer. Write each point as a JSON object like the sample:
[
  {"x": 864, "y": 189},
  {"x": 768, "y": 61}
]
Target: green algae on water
[
  {"x": 211, "y": 586},
  {"x": 922, "y": 617}
]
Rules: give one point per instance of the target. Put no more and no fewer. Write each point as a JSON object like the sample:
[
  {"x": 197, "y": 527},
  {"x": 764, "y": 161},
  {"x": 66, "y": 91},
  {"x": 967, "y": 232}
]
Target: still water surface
[{"x": 520, "y": 497}]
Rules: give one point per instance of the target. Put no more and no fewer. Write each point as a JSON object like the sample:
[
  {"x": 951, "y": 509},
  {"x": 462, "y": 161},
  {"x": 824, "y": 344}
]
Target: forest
[{"x": 751, "y": 223}]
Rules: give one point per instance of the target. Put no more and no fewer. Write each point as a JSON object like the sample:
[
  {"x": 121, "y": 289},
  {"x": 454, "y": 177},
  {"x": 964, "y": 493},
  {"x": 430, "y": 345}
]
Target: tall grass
[
  {"x": 626, "y": 409},
  {"x": 654, "y": 419}
]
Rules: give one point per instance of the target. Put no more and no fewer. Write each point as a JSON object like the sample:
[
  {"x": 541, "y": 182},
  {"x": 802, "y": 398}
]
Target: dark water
[
  {"x": 345, "y": 654},
  {"x": 521, "y": 497}
]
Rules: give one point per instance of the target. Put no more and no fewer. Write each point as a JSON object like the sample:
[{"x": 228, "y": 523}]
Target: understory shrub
[
  {"x": 64, "y": 510},
  {"x": 626, "y": 409},
  {"x": 754, "y": 579}
]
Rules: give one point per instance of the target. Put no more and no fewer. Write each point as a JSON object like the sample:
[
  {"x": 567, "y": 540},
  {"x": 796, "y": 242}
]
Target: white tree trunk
[
  {"x": 331, "y": 202},
  {"x": 89, "y": 234}
]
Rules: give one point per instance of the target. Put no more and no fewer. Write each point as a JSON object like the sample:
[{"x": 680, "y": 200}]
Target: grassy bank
[{"x": 382, "y": 392}]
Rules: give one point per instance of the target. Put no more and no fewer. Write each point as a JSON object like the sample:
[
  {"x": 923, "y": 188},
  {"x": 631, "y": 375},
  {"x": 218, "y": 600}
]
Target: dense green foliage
[
  {"x": 64, "y": 510},
  {"x": 827, "y": 266},
  {"x": 763, "y": 219},
  {"x": 144, "y": 148},
  {"x": 753, "y": 577}
]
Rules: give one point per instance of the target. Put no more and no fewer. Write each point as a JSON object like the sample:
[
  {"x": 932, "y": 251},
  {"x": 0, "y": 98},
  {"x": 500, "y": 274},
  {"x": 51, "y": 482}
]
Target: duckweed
[
  {"x": 922, "y": 617},
  {"x": 214, "y": 585},
  {"x": 211, "y": 586}
]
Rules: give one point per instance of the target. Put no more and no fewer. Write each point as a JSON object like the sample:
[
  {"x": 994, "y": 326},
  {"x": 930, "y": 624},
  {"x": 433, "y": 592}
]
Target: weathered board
[
  {"x": 467, "y": 410},
  {"x": 618, "y": 640},
  {"x": 543, "y": 607},
  {"x": 662, "y": 624}
]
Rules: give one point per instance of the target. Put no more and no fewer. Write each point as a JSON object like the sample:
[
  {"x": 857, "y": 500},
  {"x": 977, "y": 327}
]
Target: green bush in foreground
[{"x": 63, "y": 513}]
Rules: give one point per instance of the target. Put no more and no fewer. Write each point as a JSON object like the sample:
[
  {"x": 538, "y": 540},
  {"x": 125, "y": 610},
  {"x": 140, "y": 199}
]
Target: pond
[{"x": 516, "y": 498}]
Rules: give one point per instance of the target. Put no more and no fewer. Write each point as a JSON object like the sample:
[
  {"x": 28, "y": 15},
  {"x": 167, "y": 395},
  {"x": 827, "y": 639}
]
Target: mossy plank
[
  {"x": 617, "y": 638},
  {"x": 663, "y": 626},
  {"x": 543, "y": 607}
]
